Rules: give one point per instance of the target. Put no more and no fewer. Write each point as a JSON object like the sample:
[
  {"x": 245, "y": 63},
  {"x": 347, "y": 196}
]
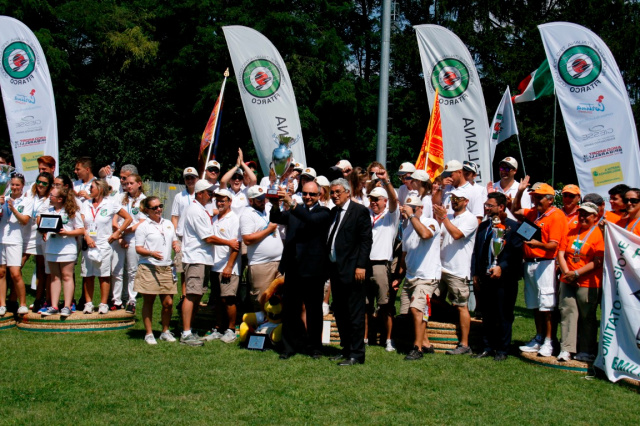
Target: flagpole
[
  {"x": 426, "y": 160},
  {"x": 521, "y": 156},
  {"x": 215, "y": 124},
  {"x": 553, "y": 154}
]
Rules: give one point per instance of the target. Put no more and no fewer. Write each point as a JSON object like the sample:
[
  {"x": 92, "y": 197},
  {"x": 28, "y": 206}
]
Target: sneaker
[
  {"x": 51, "y": 310},
  {"x": 44, "y": 308},
  {"x": 585, "y": 357},
  {"x": 3, "y": 310},
  {"x": 88, "y": 308},
  {"x": 533, "y": 345},
  {"x": 546, "y": 349},
  {"x": 23, "y": 310},
  {"x": 212, "y": 335},
  {"x": 390, "y": 346},
  {"x": 459, "y": 350},
  {"x": 190, "y": 340},
  {"x": 150, "y": 339},
  {"x": 564, "y": 356},
  {"x": 131, "y": 308},
  {"x": 325, "y": 309},
  {"x": 103, "y": 308},
  {"x": 414, "y": 354},
  {"x": 428, "y": 350},
  {"x": 65, "y": 312},
  {"x": 167, "y": 336},
  {"x": 229, "y": 336},
  {"x": 115, "y": 307},
  {"x": 73, "y": 307}
]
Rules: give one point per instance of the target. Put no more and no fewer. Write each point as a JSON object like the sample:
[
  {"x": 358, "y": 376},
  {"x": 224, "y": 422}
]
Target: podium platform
[{"x": 77, "y": 322}]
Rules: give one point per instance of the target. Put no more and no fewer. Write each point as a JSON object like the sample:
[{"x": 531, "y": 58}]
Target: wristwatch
[{"x": 412, "y": 216}]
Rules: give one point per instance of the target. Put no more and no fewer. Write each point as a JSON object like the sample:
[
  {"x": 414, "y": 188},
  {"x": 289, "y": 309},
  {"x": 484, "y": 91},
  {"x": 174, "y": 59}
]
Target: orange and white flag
[{"x": 431, "y": 157}]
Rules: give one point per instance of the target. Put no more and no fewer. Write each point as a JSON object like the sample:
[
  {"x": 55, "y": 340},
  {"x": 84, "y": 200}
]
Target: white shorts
[
  {"x": 539, "y": 285},
  {"x": 95, "y": 269},
  {"x": 11, "y": 255},
  {"x": 55, "y": 257}
]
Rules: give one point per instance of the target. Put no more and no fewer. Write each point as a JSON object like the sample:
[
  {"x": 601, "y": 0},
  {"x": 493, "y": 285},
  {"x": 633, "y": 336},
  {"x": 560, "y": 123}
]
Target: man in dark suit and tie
[
  {"x": 349, "y": 244},
  {"x": 304, "y": 268},
  {"x": 499, "y": 284}
]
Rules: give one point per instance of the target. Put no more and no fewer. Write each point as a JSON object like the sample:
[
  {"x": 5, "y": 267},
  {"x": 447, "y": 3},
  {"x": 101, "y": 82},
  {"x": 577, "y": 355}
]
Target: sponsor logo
[
  {"x": 597, "y": 131},
  {"x": 135, "y": 211},
  {"x": 103, "y": 212},
  {"x": 607, "y": 152},
  {"x": 65, "y": 218},
  {"x": 20, "y": 209},
  {"x": 451, "y": 77},
  {"x": 26, "y": 99},
  {"x": 579, "y": 66},
  {"x": 28, "y": 121},
  {"x": 30, "y": 159},
  {"x": 261, "y": 78},
  {"x": 497, "y": 127},
  {"x": 607, "y": 174},
  {"x": 590, "y": 108},
  {"x": 40, "y": 140},
  {"x": 18, "y": 62}
]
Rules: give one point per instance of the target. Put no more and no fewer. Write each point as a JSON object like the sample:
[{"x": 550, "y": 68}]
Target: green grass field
[{"x": 115, "y": 378}]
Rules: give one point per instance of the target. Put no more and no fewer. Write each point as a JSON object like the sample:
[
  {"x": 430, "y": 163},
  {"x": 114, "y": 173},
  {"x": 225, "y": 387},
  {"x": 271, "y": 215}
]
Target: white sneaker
[
  {"x": 167, "y": 336},
  {"x": 88, "y": 308},
  {"x": 103, "y": 308},
  {"x": 228, "y": 336},
  {"x": 325, "y": 309},
  {"x": 23, "y": 310},
  {"x": 546, "y": 349},
  {"x": 150, "y": 339},
  {"x": 564, "y": 356},
  {"x": 3, "y": 310},
  {"x": 533, "y": 345},
  {"x": 212, "y": 335},
  {"x": 390, "y": 346}
]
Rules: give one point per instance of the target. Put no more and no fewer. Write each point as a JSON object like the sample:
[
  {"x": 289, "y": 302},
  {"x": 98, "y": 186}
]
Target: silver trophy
[
  {"x": 280, "y": 161},
  {"x": 5, "y": 177},
  {"x": 497, "y": 241}
]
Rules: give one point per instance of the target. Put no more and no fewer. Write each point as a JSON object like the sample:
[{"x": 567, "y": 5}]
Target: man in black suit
[
  {"x": 303, "y": 266},
  {"x": 499, "y": 284},
  {"x": 349, "y": 244}
]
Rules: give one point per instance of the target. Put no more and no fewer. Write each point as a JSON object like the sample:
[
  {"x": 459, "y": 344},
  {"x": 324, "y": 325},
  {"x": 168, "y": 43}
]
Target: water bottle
[{"x": 113, "y": 169}]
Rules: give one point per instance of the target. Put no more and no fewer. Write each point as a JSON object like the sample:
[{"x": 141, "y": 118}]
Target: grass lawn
[{"x": 114, "y": 377}]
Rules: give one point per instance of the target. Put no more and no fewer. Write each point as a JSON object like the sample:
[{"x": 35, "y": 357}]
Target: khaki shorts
[
  {"x": 222, "y": 287},
  {"x": 196, "y": 276},
  {"x": 456, "y": 287},
  {"x": 378, "y": 285},
  {"x": 415, "y": 292},
  {"x": 262, "y": 276},
  {"x": 153, "y": 279}
]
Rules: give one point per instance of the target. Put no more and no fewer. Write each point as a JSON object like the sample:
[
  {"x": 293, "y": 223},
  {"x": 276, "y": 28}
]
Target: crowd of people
[{"x": 347, "y": 241}]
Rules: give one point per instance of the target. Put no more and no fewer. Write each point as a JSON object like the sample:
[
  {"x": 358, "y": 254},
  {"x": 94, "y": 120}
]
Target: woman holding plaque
[
  {"x": 60, "y": 249},
  {"x": 154, "y": 239},
  {"x": 97, "y": 215},
  {"x": 580, "y": 261},
  {"x": 15, "y": 213}
]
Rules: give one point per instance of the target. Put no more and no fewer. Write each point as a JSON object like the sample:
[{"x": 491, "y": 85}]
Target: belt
[
  {"x": 536, "y": 259},
  {"x": 379, "y": 262}
]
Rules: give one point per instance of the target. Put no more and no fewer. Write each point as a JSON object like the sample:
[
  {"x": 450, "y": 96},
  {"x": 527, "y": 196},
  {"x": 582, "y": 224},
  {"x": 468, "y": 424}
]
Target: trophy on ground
[
  {"x": 280, "y": 161},
  {"x": 497, "y": 241}
]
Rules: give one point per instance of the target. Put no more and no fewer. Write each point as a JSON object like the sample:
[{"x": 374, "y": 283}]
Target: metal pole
[
  {"x": 521, "y": 156},
  {"x": 383, "y": 98},
  {"x": 553, "y": 154},
  {"x": 215, "y": 125}
]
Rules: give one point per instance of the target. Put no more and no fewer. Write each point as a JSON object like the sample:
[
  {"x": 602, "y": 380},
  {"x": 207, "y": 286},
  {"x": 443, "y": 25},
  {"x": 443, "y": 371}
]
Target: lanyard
[
  {"x": 95, "y": 213},
  {"x": 158, "y": 227},
  {"x": 578, "y": 246},
  {"x": 633, "y": 227},
  {"x": 376, "y": 218},
  {"x": 551, "y": 210},
  {"x": 263, "y": 216},
  {"x": 36, "y": 207}
]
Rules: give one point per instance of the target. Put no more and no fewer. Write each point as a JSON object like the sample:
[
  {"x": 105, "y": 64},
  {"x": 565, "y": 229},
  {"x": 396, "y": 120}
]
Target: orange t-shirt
[
  {"x": 572, "y": 219},
  {"x": 631, "y": 225},
  {"x": 612, "y": 217},
  {"x": 553, "y": 224},
  {"x": 591, "y": 248}
]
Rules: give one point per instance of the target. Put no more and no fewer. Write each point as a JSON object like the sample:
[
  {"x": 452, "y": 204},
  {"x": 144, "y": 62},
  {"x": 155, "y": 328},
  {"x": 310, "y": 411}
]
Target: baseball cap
[
  {"x": 406, "y": 168},
  {"x": 213, "y": 163},
  {"x": 189, "y": 171},
  {"x": 238, "y": 171},
  {"x": 541, "y": 188},
  {"x": 460, "y": 193},
  {"x": 223, "y": 193},
  {"x": 451, "y": 166},
  {"x": 593, "y": 198},
  {"x": 255, "y": 191},
  {"x": 251, "y": 163},
  {"x": 510, "y": 161},
  {"x": 420, "y": 175},
  {"x": 309, "y": 172},
  {"x": 571, "y": 189},
  {"x": 378, "y": 192},
  {"x": 298, "y": 166},
  {"x": 470, "y": 166},
  {"x": 589, "y": 208},
  {"x": 202, "y": 185},
  {"x": 322, "y": 181},
  {"x": 413, "y": 201},
  {"x": 344, "y": 164}
]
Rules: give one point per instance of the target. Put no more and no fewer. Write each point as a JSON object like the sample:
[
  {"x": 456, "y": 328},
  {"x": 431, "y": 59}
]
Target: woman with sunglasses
[
  {"x": 33, "y": 243},
  {"x": 125, "y": 257},
  {"x": 154, "y": 239},
  {"x": 97, "y": 214},
  {"x": 631, "y": 221},
  {"x": 60, "y": 248},
  {"x": 15, "y": 213}
]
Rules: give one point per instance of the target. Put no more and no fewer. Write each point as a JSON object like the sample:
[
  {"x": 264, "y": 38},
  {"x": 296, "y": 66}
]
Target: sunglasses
[
  {"x": 190, "y": 177},
  {"x": 374, "y": 199},
  {"x": 17, "y": 175},
  {"x": 236, "y": 177},
  {"x": 407, "y": 177},
  {"x": 310, "y": 194},
  {"x": 159, "y": 206},
  {"x": 213, "y": 169},
  {"x": 505, "y": 169},
  {"x": 490, "y": 206},
  {"x": 568, "y": 195},
  {"x": 632, "y": 200},
  {"x": 211, "y": 193},
  {"x": 41, "y": 183},
  {"x": 335, "y": 192},
  {"x": 454, "y": 198}
]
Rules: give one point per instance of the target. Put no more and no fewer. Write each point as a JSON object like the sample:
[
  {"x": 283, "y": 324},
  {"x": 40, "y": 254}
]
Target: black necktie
[{"x": 335, "y": 228}]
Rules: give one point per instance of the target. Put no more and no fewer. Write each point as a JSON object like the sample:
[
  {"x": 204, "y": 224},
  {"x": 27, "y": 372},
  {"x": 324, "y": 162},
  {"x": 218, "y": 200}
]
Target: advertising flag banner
[
  {"x": 431, "y": 157},
  {"x": 448, "y": 67},
  {"x": 27, "y": 96},
  {"x": 266, "y": 92},
  {"x": 619, "y": 346},
  {"x": 503, "y": 125},
  {"x": 595, "y": 107}
]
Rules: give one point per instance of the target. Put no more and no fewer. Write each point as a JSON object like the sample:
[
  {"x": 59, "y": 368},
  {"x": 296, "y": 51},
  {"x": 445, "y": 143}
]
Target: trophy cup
[
  {"x": 497, "y": 241},
  {"x": 5, "y": 177},
  {"x": 280, "y": 161}
]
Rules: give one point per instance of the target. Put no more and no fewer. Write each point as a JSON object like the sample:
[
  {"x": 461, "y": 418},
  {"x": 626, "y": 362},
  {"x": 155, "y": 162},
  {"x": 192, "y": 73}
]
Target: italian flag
[{"x": 537, "y": 84}]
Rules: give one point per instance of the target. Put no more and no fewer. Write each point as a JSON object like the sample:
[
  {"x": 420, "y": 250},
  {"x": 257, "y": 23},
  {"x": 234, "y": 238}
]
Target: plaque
[
  {"x": 529, "y": 231},
  {"x": 50, "y": 223},
  {"x": 256, "y": 342}
]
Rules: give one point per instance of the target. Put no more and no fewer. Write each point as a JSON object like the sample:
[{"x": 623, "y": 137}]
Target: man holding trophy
[{"x": 497, "y": 269}]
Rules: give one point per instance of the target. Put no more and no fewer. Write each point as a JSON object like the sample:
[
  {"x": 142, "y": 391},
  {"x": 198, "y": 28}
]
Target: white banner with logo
[
  {"x": 448, "y": 66},
  {"x": 595, "y": 107},
  {"x": 266, "y": 92},
  {"x": 619, "y": 346},
  {"x": 28, "y": 97}
]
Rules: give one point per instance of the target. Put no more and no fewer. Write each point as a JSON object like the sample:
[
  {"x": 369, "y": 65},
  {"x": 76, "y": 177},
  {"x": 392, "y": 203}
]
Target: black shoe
[
  {"x": 500, "y": 357},
  {"x": 37, "y": 304},
  {"x": 483, "y": 354},
  {"x": 286, "y": 355},
  {"x": 131, "y": 308},
  {"x": 315, "y": 354},
  {"x": 428, "y": 350},
  {"x": 414, "y": 355},
  {"x": 350, "y": 362},
  {"x": 339, "y": 357}
]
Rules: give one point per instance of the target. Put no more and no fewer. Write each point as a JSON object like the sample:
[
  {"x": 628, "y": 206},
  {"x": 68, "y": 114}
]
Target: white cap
[
  {"x": 202, "y": 185},
  {"x": 322, "y": 181},
  {"x": 213, "y": 163},
  {"x": 238, "y": 171},
  {"x": 451, "y": 166},
  {"x": 420, "y": 175},
  {"x": 190, "y": 171},
  {"x": 406, "y": 168},
  {"x": 378, "y": 192},
  {"x": 470, "y": 166},
  {"x": 309, "y": 172},
  {"x": 224, "y": 193},
  {"x": 344, "y": 164},
  {"x": 460, "y": 193},
  {"x": 510, "y": 161},
  {"x": 298, "y": 166},
  {"x": 255, "y": 191},
  {"x": 413, "y": 201}
]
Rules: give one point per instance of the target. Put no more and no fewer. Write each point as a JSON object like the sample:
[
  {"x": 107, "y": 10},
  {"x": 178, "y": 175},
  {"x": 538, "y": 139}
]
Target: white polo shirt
[
  {"x": 403, "y": 192},
  {"x": 78, "y": 186},
  {"x": 180, "y": 204},
  {"x": 384, "y": 227},
  {"x": 475, "y": 205},
  {"x": 525, "y": 201},
  {"x": 97, "y": 220},
  {"x": 197, "y": 228},
  {"x": 239, "y": 200},
  {"x": 228, "y": 228},
  {"x": 156, "y": 236},
  {"x": 423, "y": 256},
  {"x": 456, "y": 254},
  {"x": 270, "y": 248},
  {"x": 59, "y": 244},
  {"x": 11, "y": 231},
  {"x": 133, "y": 208}
]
